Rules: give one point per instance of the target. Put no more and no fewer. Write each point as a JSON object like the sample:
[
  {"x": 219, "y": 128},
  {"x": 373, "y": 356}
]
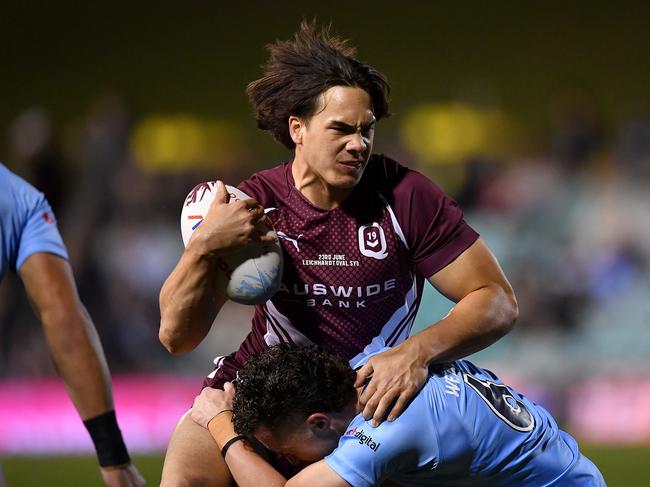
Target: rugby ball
[{"x": 248, "y": 275}]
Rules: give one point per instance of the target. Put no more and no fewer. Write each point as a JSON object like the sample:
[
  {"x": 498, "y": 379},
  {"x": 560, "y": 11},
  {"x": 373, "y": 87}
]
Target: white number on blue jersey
[{"x": 503, "y": 402}]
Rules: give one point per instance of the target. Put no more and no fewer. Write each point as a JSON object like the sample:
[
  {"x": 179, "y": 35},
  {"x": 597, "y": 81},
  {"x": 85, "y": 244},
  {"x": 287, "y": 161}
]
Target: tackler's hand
[
  {"x": 395, "y": 376},
  {"x": 212, "y": 402},
  {"x": 122, "y": 476}
]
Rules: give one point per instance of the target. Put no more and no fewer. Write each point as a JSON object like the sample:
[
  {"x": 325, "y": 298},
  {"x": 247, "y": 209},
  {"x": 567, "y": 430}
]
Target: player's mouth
[{"x": 352, "y": 166}]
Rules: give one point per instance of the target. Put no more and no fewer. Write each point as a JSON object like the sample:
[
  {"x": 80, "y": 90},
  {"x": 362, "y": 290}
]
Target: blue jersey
[
  {"x": 465, "y": 427},
  {"x": 27, "y": 224}
]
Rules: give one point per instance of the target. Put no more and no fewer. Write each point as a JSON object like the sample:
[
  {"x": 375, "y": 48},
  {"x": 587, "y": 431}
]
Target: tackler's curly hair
[
  {"x": 299, "y": 70},
  {"x": 286, "y": 382}
]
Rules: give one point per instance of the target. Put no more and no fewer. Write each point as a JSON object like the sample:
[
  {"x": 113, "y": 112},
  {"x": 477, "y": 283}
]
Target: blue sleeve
[
  {"x": 367, "y": 456},
  {"x": 36, "y": 223}
]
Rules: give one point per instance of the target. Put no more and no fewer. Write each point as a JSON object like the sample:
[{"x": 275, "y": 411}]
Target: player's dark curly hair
[
  {"x": 299, "y": 70},
  {"x": 286, "y": 382}
]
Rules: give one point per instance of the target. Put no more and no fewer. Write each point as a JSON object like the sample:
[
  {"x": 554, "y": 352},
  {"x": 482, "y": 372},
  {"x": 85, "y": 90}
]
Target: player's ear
[
  {"x": 296, "y": 127},
  {"x": 319, "y": 421}
]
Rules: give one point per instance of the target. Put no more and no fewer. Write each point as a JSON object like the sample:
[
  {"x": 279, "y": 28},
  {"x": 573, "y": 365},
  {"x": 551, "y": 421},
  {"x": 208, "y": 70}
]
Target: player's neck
[
  {"x": 342, "y": 419},
  {"x": 315, "y": 189}
]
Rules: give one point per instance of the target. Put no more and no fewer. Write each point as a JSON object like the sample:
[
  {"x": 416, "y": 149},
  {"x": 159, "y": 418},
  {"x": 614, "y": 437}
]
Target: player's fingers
[
  {"x": 138, "y": 479},
  {"x": 255, "y": 234},
  {"x": 250, "y": 203},
  {"x": 205, "y": 391},
  {"x": 256, "y": 214},
  {"x": 194, "y": 412},
  {"x": 363, "y": 374},
  {"x": 370, "y": 405},
  {"x": 196, "y": 399},
  {"x": 368, "y": 392},
  {"x": 386, "y": 401},
  {"x": 399, "y": 406},
  {"x": 263, "y": 220},
  {"x": 221, "y": 195},
  {"x": 135, "y": 477},
  {"x": 229, "y": 387},
  {"x": 268, "y": 238},
  {"x": 122, "y": 476}
]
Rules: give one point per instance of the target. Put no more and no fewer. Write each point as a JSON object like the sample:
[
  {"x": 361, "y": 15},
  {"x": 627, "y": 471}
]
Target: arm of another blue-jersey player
[
  {"x": 76, "y": 350},
  {"x": 69, "y": 332},
  {"x": 485, "y": 310}
]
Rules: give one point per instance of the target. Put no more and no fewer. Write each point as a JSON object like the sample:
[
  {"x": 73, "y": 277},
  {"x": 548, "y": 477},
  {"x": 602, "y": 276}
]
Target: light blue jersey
[
  {"x": 27, "y": 224},
  {"x": 465, "y": 427}
]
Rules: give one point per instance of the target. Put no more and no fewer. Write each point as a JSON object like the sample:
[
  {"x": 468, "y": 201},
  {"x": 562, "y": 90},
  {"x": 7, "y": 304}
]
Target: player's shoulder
[
  {"x": 465, "y": 367},
  {"x": 392, "y": 439},
  {"x": 416, "y": 419},
  {"x": 17, "y": 194},
  {"x": 268, "y": 186},
  {"x": 384, "y": 442},
  {"x": 397, "y": 181},
  {"x": 6, "y": 188}
]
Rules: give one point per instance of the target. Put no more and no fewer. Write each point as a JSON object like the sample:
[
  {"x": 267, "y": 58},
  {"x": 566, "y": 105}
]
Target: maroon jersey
[{"x": 353, "y": 275}]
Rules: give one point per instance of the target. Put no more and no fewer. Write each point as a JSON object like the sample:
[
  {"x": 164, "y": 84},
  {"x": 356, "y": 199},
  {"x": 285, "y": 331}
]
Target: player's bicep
[
  {"x": 318, "y": 474},
  {"x": 49, "y": 282},
  {"x": 474, "y": 269}
]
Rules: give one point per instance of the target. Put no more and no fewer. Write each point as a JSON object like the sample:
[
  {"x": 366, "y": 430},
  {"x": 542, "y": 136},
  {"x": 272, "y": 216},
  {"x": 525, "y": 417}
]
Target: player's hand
[
  {"x": 395, "y": 375},
  {"x": 228, "y": 226},
  {"x": 211, "y": 402},
  {"x": 122, "y": 476}
]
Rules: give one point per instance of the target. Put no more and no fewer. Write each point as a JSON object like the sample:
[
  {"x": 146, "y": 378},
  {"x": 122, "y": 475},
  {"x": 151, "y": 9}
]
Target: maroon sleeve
[
  {"x": 265, "y": 186},
  {"x": 432, "y": 222}
]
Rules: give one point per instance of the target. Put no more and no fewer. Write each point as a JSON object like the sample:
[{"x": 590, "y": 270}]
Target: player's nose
[{"x": 357, "y": 144}]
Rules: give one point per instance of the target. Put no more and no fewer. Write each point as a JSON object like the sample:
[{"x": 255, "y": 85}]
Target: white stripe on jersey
[
  {"x": 279, "y": 328},
  {"x": 400, "y": 323},
  {"x": 218, "y": 362},
  {"x": 398, "y": 327},
  {"x": 396, "y": 227}
]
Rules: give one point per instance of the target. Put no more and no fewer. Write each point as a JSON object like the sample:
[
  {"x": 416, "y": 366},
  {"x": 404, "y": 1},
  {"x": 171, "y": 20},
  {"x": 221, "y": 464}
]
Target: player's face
[
  {"x": 335, "y": 143},
  {"x": 298, "y": 445}
]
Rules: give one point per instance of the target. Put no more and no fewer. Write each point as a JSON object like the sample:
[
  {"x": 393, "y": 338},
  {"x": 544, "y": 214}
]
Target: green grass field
[{"x": 622, "y": 467}]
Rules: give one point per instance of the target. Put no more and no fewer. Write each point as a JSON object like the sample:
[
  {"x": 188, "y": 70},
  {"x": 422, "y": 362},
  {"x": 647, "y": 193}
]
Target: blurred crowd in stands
[{"x": 570, "y": 224}]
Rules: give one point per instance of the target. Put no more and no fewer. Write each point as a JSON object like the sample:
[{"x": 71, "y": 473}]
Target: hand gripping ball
[{"x": 248, "y": 275}]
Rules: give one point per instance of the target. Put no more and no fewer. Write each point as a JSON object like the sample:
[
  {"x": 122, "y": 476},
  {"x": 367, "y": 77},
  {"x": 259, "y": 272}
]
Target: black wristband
[
  {"x": 229, "y": 443},
  {"x": 107, "y": 437}
]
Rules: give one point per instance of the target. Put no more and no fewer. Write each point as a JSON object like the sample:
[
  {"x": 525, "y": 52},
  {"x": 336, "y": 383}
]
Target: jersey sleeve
[
  {"x": 367, "y": 456},
  {"x": 39, "y": 232},
  {"x": 254, "y": 188},
  {"x": 433, "y": 223},
  {"x": 267, "y": 186}
]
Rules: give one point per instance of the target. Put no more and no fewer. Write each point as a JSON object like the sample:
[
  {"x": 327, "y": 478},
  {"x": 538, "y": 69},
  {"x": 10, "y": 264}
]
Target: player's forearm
[
  {"x": 246, "y": 466},
  {"x": 249, "y": 469},
  {"x": 188, "y": 303},
  {"x": 79, "y": 359},
  {"x": 76, "y": 351},
  {"x": 477, "y": 321}
]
